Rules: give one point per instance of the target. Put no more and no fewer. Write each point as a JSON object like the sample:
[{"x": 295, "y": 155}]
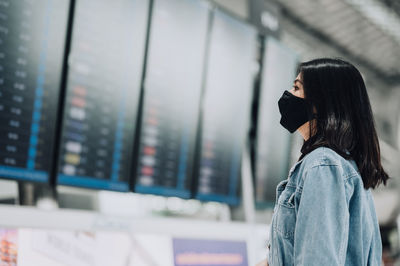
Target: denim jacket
[{"x": 324, "y": 216}]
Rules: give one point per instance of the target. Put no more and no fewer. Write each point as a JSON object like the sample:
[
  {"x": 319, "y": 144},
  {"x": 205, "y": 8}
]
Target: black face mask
[{"x": 295, "y": 111}]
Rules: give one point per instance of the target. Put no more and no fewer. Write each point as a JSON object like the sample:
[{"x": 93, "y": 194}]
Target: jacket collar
[{"x": 295, "y": 166}]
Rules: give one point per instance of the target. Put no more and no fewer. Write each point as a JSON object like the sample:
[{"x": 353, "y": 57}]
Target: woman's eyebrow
[{"x": 297, "y": 80}]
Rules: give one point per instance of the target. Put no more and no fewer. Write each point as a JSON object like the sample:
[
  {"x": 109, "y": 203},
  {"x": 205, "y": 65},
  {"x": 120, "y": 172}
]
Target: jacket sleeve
[{"x": 321, "y": 232}]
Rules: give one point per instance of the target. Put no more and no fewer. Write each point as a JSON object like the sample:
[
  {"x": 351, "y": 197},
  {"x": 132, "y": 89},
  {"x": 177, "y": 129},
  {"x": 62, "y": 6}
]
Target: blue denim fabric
[{"x": 324, "y": 216}]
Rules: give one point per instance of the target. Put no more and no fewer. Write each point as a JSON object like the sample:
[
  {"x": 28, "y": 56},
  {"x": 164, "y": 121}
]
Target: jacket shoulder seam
[{"x": 302, "y": 179}]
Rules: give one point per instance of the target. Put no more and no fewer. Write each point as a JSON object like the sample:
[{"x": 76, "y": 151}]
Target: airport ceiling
[{"x": 364, "y": 30}]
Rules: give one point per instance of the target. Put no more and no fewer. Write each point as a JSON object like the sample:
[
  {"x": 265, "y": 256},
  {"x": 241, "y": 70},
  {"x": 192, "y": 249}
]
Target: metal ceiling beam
[{"x": 389, "y": 79}]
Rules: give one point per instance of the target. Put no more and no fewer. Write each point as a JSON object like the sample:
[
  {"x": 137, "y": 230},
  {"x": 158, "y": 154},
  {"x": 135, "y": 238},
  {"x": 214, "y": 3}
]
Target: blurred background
[{"x": 146, "y": 132}]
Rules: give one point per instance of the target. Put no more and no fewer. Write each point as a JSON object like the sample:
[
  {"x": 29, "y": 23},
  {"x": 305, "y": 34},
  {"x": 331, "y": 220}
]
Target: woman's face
[{"x": 297, "y": 89}]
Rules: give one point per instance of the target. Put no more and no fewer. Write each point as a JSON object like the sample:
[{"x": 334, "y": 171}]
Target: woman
[{"x": 324, "y": 212}]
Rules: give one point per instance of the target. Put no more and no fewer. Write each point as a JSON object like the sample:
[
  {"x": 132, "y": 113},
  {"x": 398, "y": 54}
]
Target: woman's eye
[{"x": 296, "y": 88}]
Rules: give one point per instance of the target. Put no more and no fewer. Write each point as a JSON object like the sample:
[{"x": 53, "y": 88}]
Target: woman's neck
[{"x": 304, "y": 130}]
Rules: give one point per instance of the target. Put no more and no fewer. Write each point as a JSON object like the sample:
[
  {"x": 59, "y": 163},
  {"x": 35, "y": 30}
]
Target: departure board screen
[
  {"x": 173, "y": 83},
  {"x": 32, "y": 39},
  {"x": 103, "y": 85},
  {"x": 226, "y": 111},
  {"x": 273, "y": 141}
]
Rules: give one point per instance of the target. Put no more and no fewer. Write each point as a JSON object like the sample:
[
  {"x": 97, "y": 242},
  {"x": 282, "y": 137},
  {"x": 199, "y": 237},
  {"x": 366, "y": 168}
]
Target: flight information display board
[
  {"x": 103, "y": 85},
  {"x": 173, "y": 84},
  {"x": 273, "y": 141},
  {"x": 32, "y": 40},
  {"x": 226, "y": 111}
]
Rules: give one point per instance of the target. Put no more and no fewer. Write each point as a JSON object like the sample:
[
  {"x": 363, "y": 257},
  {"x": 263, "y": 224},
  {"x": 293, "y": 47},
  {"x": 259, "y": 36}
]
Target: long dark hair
[{"x": 344, "y": 120}]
